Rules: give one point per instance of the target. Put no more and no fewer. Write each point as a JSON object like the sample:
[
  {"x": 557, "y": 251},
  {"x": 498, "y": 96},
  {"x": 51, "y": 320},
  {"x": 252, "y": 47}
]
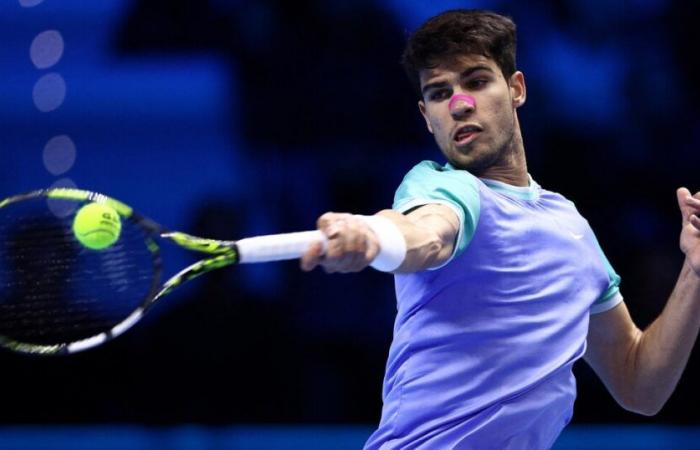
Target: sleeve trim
[{"x": 613, "y": 300}]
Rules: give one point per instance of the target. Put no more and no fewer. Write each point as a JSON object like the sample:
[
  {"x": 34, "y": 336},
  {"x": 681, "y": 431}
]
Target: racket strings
[{"x": 54, "y": 290}]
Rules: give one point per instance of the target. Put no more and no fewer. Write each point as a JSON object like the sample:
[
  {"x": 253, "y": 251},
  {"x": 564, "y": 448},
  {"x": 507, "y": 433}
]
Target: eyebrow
[{"x": 467, "y": 72}]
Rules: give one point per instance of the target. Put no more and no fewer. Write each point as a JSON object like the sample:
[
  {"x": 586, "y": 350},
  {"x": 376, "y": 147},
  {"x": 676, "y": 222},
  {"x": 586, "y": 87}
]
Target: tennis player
[{"x": 501, "y": 285}]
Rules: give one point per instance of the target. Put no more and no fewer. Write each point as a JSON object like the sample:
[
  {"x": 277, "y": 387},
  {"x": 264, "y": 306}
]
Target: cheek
[
  {"x": 500, "y": 113},
  {"x": 439, "y": 132},
  {"x": 438, "y": 121}
]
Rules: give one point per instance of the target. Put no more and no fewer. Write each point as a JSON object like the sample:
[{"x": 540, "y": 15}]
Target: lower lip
[{"x": 467, "y": 138}]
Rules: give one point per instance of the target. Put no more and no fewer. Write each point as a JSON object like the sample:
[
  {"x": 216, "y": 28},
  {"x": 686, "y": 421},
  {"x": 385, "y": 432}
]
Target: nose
[{"x": 461, "y": 104}]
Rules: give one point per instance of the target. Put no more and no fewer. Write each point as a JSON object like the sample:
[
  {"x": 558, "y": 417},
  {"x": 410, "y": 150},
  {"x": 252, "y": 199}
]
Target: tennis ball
[{"x": 97, "y": 226}]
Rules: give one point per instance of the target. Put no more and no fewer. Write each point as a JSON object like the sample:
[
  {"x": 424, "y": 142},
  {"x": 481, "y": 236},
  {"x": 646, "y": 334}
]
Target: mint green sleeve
[
  {"x": 611, "y": 297},
  {"x": 430, "y": 183}
]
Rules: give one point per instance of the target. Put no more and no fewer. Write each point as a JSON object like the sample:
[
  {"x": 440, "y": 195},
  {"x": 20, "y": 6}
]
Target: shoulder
[
  {"x": 433, "y": 169},
  {"x": 429, "y": 180},
  {"x": 429, "y": 183}
]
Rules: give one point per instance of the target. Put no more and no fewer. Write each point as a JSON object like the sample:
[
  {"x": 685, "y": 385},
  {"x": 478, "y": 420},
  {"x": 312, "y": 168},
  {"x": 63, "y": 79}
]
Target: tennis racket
[{"x": 58, "y": 297}]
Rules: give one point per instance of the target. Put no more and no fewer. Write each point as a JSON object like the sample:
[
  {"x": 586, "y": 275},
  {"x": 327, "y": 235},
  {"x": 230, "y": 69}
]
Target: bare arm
[
  {"x": 429, "y": 232},
  {"x": 642, "y": 368}
]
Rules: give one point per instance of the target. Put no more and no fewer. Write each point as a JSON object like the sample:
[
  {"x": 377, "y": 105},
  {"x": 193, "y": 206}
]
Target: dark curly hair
[{"x": 460, "y": 32}]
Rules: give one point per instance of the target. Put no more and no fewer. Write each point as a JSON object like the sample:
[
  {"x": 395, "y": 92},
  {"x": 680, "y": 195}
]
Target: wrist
[{"x": 392, "y": 245}]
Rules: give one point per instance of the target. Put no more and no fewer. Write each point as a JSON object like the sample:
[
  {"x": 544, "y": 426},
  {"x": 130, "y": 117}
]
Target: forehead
[{"x": 455, "y": 67}]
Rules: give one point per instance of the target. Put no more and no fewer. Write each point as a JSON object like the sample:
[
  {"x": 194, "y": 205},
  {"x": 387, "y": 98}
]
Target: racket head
[{"x": 58, "y": 296}]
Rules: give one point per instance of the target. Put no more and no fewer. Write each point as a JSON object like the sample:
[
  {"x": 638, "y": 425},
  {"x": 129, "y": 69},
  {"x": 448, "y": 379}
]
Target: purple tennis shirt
[{"x": 484, "y": 345}]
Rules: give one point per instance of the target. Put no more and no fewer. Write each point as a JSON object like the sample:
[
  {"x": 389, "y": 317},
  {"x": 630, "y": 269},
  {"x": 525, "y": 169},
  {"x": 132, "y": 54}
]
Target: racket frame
[{"x": 222, "y": 254}]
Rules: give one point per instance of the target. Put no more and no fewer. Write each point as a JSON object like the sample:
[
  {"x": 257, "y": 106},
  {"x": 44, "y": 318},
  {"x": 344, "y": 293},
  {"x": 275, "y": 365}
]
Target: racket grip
[{"x": 278, "y": 247}]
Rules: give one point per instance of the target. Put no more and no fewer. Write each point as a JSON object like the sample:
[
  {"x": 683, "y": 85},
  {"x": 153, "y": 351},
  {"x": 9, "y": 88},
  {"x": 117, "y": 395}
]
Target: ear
[
  {"x": 421, "y": 107},
  {"x": 518, "y": 92}
]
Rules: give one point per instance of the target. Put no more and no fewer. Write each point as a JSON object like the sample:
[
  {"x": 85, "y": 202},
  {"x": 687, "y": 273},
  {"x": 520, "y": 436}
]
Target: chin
[{"x": 475, "y": 166}]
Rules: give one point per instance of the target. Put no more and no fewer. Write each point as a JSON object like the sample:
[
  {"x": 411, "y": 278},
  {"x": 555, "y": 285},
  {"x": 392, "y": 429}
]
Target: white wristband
[{"x": 392, "y": 245}]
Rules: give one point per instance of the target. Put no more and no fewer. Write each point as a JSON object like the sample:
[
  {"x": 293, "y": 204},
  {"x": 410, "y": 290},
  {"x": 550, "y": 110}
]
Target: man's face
[{"x": 472, "y": 137}]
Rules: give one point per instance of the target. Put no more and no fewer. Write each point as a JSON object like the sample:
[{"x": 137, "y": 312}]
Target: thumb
[{"x": 681, "y": 195}]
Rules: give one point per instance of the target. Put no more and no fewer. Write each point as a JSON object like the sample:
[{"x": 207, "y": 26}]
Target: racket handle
[{"x": 278, "y": 247}]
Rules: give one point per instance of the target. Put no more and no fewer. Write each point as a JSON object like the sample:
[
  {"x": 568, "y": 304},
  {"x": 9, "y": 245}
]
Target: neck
[{"x": 511, "y": 167}]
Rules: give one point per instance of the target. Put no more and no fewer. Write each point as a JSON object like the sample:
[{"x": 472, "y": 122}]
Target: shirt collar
[{"x": 530, "y": 192}]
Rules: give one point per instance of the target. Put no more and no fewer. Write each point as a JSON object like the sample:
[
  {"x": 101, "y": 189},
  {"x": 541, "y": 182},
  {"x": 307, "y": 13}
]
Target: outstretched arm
[
  {"x": 428, "y": 231},
  {"x": 642, "y": 368}
]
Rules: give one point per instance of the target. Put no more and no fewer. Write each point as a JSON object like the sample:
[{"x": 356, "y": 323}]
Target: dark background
[{"x": 232, "y": 118}]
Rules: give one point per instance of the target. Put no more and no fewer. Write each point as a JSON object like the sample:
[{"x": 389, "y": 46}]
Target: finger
[
  {"x": 332, "y": 223},
  {"x": 355, "y": 247},
  {"x": 334, "y": 254},
  {"x": 347, "y": 243},
  {"x": 352, "y": 262},
  {"x": 695, "y": 221},
  {"x": 309, "y": 260},
  {"x": 343, "y": 257},
  {"x": 329, "y": 265},
  {"x": 325, "y": 220},
  {"x": 334, "y": 228},
  {"x": 363, "y": 248},
  {"x": 693, "y": 202},
  {"x": 682, "y": 195},
  {"x": 329, "y": 218},
  {"x": 312, "y": 257}
]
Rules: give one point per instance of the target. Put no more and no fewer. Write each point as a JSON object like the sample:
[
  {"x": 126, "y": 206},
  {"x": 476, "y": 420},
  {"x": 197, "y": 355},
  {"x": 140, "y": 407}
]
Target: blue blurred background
[{"x": 227, "y": 118}]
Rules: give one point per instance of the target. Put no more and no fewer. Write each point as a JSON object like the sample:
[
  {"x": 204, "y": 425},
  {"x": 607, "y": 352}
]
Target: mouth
[{"x": 466, "y": 134}]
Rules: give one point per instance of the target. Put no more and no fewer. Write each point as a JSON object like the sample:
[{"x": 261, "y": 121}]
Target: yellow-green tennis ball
[{"x": 97, "y": 226}]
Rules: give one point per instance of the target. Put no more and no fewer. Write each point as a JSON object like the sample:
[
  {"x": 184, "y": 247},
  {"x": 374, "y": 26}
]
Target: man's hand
[
  {"x": 429, "y": 233},
  {"x": 351, "y": 246},
  {"x": 690, "y": 233}
]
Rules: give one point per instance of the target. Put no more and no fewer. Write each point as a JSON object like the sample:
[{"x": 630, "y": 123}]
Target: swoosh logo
[{"x": 576, "y": 236}]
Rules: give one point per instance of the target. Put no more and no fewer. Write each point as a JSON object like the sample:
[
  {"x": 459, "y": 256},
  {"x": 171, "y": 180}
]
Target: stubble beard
[{"x": 489, "y": 158}]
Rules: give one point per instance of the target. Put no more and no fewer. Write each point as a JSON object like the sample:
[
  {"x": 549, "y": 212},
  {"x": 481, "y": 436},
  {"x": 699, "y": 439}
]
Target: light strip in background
[{"x": 577, "y": 437}]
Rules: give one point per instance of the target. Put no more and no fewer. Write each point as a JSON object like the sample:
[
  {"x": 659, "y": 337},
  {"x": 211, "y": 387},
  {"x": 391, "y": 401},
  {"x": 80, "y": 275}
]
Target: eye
[
  {"x": 439, "y": 94},
  {"x": 477, "y": 83}
]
